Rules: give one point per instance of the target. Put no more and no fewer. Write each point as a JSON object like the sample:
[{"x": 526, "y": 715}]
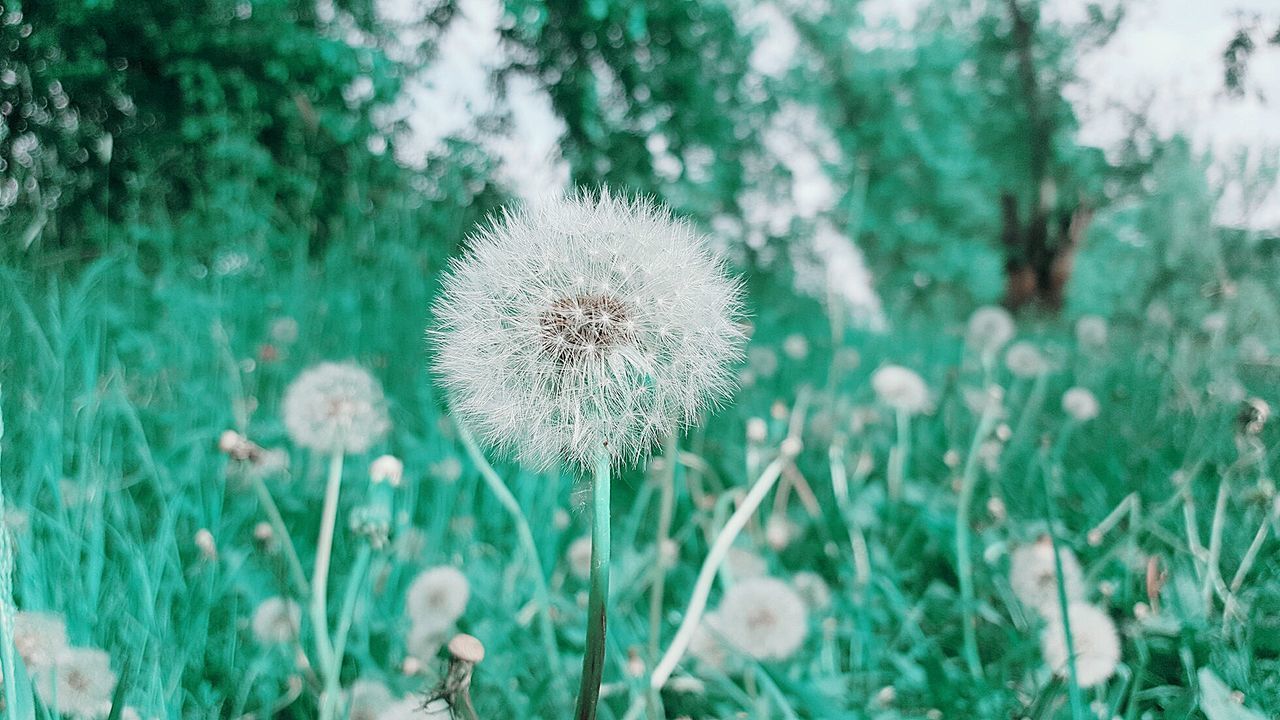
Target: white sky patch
[{"x": 449, "y": 97}]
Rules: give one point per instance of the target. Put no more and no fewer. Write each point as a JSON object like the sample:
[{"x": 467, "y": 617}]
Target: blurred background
[{"x": 201, "y": 198}]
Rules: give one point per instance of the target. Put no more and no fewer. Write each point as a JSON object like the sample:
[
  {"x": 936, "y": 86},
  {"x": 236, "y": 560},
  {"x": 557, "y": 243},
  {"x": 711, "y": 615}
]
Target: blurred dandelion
[
  {"x": 1024, "y": 360},
  {"x": 707, "y": 644},
  {"x": 901, "y": 389},
  {"x": 589, "y": 322},
  {"x": 369, "y": 699},
  {"x": 990, "y": 328},
  {"x": 765, "y": 618},
  {"x": 814, "y": 590},
  {"x": 437, "y": 597},
  {"x": 1080, "y": 404},
  {"x": 1034, "y": 578},
  {"x": 80, "y": 681},
  {"x": 335, "y": 407},
  {"x": 1091, "y": 332},
  {"x": 1093, "y": 638},
  {"x": 276, "y": 620},
  {"x": 578, "y": 556},
  {"x": 39, "y": 638}
]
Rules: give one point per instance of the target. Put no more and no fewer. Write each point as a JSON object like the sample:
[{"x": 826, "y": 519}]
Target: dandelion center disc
[{"x": 585, "y": 327}]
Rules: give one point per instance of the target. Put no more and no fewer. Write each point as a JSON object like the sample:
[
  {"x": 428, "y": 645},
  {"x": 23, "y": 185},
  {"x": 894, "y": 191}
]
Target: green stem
[
  {"x": 1073, "y": 686},
  {"x": 593, "y": 659},
  {"x": 359, "y": 573},
  {"x": 320, "y": 587},
  {"x": 282, "y": 532},
  {"x": 964, "y": 560},
  {"x": 542, "y": 596}
]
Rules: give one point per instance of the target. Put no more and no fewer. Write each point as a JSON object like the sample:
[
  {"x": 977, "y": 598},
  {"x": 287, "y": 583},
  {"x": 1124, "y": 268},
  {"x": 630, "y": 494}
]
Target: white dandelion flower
[
  {"x": 80, "y": 682},
  {"x": 1094, "y": 639},
  {"x": 1080, "y": 404},
  {"x": 1091, "y": 332},
  {"x": 276, "y": 620},
  {"x": 369, "y": 698},
  {"x": 1025, "y": 361},
  {"x": 764, "y": 618},
  {"x": 900, "y": 389},
  {"x": 578, "y": 555},
  {"x": 1034, "y": 578},
  {"x": 991, "y": 327},
  {"x": 741, "y": 563},
  {"x": 437, "y": 597},
  {"x": 39, "y": 638},
  {"x": 336, "y": 406},
  {"x": 585, "y": 323}
]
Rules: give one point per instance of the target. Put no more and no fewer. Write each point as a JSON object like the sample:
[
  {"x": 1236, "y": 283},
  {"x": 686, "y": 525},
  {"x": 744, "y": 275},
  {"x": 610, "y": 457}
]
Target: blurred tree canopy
[{"x": 804, "y": 136}]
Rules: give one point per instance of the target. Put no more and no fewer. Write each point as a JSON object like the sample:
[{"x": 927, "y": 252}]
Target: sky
[{"x": 1166, "y": 58}]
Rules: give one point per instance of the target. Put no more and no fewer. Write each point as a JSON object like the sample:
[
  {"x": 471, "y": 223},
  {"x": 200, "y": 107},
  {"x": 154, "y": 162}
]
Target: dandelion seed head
[
  {"x": 765, "y": 618},
  {"x": 583, "y": 323},
  {"x": 369, "y": 698},
  {"x": 336, "y": 406},
  {"x": 81, "y": 680},
  {"x": 990, "y": 328},
  {"x": 1025, "y": 361},
  {"x": 276, "y": 620},
  {"x": 901, "y": 389},
  {"x": 1094, "y": 639},
  {"x": 388, "y": 469},
  {"x": 741, "y": 563},
  {"x": 1091, "y": 332},
  {"x": 39, "y": 638},
  {"x": 1080, "y": 404},
  {"x": 1034, "y": 578},
  {"x": 437, "y": 597}
]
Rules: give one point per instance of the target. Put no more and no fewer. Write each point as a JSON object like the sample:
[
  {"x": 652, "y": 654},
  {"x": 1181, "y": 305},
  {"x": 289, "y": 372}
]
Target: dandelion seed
[
  {"x": 1094, "y": 639},
  {"x": 1033, "y": 576},
  {"x": 900, "y": 389},
  {"x": 336, "y": 406},
  {"x": 1025, "y": 361},
  {"x": 764, "y": 618},
  {"x": 1091, "y": 332},
  {"x": 578, "y": 555},
  {"x": 1080, "y": 404},
  {"x": 587, "y": 323},
  {"x": 369, "y": 699},
  {"x": 80, "y": 680},
  {"x": 991, "y": 327},
  {"x": 779, "y": 532},
  {"x": 437, "y": 598},
  {"x": 276, "y": 620},
  {"x": 39, "y": 638}
]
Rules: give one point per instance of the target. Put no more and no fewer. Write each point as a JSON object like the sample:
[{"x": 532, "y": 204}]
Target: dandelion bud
[
  {"x": 410, "y": 667},
  {"x": 579, "y": 557},
  {"x": 388, "y": 469},
  {"x": 757, "y": 430},
  {"x": 263, "y": 533},
  {"x": 229, "y": 441},
  {"x": 466, "y": 648},
  {"x": 238, "y": 447},
  {"x": 779, "y": 532},
  {"x": 204, "y": 541}
]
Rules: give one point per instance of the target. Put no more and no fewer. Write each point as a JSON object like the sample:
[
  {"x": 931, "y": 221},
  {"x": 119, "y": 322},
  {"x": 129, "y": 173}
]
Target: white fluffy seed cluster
[
  {"x": 1025, "y": 360},
  {"x": 901, "y": 389},
  {"x": 990, "y": 328},
  {"x": 436, "y": 598},
  {"x": 585, "y": 323},
  {"x": 1093, "y": 634},
  {"x": 335, "y": 407},
  {"x": 1080, "y": 404},
  {"x": 762, "y": 617},
  {"x": 1093, "y": 638},
  {"x": 80, "y": 679},
  {"x": 368, "y": 699},
  {"x": 276, "y": 620}
]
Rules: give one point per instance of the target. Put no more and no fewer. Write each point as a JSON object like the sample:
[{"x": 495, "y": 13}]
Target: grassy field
[{"x": 128, "y": 522}]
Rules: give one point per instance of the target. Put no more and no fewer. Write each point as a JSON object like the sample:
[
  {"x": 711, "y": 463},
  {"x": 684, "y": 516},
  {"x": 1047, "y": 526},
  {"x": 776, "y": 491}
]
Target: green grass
[{"x": 117, "y": 383}]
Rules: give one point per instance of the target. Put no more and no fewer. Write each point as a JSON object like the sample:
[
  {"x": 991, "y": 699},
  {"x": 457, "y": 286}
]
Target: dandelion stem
[
  {"x": 542, "y": 597},
  {"x": 7, "y": 606},
  {"x": 964, "y": 559},
  {"x": 282, "y": 531},
  {"x": 665, "y": 507},
  {"x": 898, "y": 455},
  {"x": 1211, "y": 571},
  {"x": 359, "y": 573},
  {"x": 320, "y": 587},
  {"x": 1073, "y": 687},
  {"x": 597, "y": 603},
  {"x": 707, "y": 575}
]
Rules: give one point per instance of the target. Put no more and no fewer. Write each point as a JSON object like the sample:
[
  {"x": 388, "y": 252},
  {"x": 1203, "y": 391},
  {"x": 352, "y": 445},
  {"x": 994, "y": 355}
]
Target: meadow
[{"x": 951, "y": 416}]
